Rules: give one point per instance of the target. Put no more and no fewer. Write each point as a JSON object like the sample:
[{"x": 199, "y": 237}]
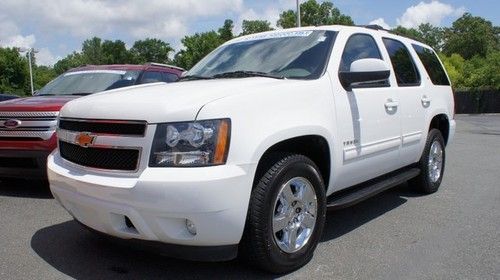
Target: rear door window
[
  {"x": 432, "y": 65},
  {"x": 402, "y": 62}
]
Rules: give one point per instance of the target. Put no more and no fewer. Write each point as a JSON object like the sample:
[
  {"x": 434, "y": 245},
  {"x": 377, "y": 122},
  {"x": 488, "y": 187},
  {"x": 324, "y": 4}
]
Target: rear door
[{"x": 412, "y": 96}]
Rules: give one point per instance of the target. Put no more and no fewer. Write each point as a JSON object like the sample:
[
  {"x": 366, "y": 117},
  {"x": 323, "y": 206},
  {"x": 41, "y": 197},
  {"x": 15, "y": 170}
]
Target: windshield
[
  {"x": 288, "y": 54},
  {"x": 88, "y": 82}
]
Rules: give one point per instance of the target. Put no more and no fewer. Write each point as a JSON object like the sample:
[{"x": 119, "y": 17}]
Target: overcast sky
[{"x": 58, "y": 27}]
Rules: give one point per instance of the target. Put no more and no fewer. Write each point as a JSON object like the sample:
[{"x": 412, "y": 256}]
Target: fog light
[{"x": 190, "y": 227}]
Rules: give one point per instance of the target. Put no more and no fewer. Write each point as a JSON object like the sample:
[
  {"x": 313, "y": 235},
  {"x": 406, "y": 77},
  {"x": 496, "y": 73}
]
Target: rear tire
[
  {"x": 286, "y": 215},
  {"x": 431, "y": 164}
]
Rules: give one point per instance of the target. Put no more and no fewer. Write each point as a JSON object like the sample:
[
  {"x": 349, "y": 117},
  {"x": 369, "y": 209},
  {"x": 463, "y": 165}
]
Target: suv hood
[
  {"x": 160, "y": 102},
  {"x": 35, "y": 104}
]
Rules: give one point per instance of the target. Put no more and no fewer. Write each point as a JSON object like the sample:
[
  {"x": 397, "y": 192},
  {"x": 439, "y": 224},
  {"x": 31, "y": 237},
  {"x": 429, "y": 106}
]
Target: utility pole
[
  {"x": 29, "y": 52},
  {"x": 298, "y": 13}
]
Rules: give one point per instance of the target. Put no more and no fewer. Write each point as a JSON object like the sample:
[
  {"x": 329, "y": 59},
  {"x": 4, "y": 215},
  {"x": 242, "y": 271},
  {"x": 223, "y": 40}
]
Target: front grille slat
[
  {"x": 101, "y": 158},
  {"x": 99, "y": 127}
]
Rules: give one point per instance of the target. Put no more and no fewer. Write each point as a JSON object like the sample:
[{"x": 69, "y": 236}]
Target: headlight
[{"x": 199, "y": 143}]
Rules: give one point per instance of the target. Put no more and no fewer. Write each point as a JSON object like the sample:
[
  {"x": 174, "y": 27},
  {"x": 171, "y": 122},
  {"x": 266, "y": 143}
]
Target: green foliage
[
  {"x": 115, "y": 52},
  {"x": 226, "y": 31},
  {"x": 13, "y": 72},
  {"x": 196, "y": 47},
  {"x": 470, "y": 36},
  {"x": 92, "y": 51},
  {"x": 151, "y": 50},
  {"x": 313, "y": 13},
  {"x": 431, "y": 35},
  {"x": 408, "y": 32},
  {"x": 42, "y": 75},
  {"x": 255, "y": 26},
  {"x": 72, "y": 60}
]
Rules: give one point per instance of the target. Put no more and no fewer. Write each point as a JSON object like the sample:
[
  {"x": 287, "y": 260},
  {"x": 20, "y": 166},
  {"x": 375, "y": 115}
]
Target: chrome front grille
[{"x": 30, "y": 125}]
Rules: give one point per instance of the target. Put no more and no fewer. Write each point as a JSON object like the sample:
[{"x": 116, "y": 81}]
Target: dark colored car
[{"x": 28, "y": 125}]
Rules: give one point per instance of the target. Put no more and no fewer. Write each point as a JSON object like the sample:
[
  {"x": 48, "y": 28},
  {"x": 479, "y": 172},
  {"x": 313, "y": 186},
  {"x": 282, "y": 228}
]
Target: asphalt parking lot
[{"x": 453, "y": 234}]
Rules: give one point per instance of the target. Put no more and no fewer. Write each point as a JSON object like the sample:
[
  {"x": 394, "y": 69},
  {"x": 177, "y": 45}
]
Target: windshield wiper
[
  {"x": 80, "y": 93},
  {"x": 193, "y": 77},
  {"x": 243, "y": 74}
]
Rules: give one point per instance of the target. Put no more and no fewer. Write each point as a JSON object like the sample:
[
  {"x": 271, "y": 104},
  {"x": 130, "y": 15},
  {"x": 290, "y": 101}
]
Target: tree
[
  {"x": 255, "y": 26},
  {"x": 314, "y": 14},
  {"x": 196, "y": 47},
  {"x": 92, "y": 51},
  {"x": 14, "y": 76},
  {"x": 72, "y": 60},
  {"x": 43, "y": 75},
  {"x": 151, "y": 50},
  {"x": 408, "y": 32},
  {"x": 470, "y": 36},
  {"x": 115, "y": 52},
  {"x": 431, "y": 35},
  {"x": 226, "y": 31}
]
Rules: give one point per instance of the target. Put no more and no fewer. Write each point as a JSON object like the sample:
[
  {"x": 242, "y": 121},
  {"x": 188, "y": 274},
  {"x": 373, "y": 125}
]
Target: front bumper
[{"x": 157, "y": 203}]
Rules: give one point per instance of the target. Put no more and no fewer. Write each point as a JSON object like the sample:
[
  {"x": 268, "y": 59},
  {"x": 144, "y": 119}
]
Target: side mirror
[
  {"x": 366, "y": 70},
  {"x": 35, "y": 92}
]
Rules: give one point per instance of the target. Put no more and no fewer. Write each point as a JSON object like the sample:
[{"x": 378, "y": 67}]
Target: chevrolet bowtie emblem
[{"x": 84, "y": 139}]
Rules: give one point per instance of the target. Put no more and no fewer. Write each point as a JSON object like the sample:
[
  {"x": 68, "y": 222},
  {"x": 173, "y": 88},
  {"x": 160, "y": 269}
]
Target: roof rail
[
  {"x": 165, "y": 65},
  {"x": 373, "y": 26}
]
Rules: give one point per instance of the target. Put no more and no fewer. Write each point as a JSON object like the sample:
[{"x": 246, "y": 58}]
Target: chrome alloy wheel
[
  {"x": 294, "y": 216},
  {"x": 435, "y": 164}
]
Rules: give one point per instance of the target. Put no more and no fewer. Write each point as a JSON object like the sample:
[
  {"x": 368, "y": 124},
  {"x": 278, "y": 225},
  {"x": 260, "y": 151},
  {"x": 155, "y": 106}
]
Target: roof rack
[
  {"x": 166, "y": 65},
  {"x": 373, "y": 26}
]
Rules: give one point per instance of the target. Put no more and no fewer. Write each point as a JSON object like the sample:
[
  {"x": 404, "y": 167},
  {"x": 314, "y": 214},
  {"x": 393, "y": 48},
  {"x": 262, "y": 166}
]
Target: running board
[{"x": 353, "y": 195}]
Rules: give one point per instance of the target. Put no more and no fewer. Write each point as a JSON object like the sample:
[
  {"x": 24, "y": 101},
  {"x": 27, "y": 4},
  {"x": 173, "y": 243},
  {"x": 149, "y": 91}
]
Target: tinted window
[
  {"x": 292, "y": 54},
  {"x": 169, "y": 77},
  {"x": 432, "y": 65},
  {"x": 357, "y": 47},
  {"x": 151, "y": 77},
  {"x": 403, "y": 64}
]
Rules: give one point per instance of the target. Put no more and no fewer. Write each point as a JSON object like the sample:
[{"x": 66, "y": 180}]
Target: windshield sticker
[
  {"x": 117, "y": 72},
  {"x": 274, "y": 35}
]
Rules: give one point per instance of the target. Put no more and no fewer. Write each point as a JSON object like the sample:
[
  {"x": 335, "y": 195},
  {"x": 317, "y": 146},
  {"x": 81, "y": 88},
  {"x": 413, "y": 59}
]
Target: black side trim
[
  {"x": 192, "y": 253},
  {"x": 360, "y": 192}
]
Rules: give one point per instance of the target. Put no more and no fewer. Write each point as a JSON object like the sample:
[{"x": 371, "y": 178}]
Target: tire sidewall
[
  {"x": 308, "y": 171},
  {"x": 428, "y": 185}
]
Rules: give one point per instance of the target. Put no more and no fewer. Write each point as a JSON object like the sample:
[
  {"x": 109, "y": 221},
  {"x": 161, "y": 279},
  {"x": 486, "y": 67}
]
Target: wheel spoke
[
  {"x": 292, "y": 238},
  {"x": 279, "y": 223},
  {"x": 309, "y": 220},
  {"x": 287, "y": 194}
]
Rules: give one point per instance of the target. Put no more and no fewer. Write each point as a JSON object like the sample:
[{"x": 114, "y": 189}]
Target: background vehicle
[
  {"x": 262, "y": 136},
  {"x": 4, "y": 97},
  {"x": 27, "y": 125}
]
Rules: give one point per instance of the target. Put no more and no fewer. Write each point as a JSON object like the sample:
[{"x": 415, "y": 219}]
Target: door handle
[
  {"x": 426, "y": 101},
  {"x": 391, "y": 104}
]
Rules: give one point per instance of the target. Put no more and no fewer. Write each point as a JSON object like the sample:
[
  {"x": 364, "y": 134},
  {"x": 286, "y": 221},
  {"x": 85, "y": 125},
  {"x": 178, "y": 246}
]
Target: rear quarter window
[{"x": 432, "y": 65}]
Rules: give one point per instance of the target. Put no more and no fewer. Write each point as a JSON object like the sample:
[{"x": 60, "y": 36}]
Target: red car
[{"x": 27, "y": 125}]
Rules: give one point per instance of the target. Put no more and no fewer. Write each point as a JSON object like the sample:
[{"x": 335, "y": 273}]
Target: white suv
[{"x": 248, "y": 151}]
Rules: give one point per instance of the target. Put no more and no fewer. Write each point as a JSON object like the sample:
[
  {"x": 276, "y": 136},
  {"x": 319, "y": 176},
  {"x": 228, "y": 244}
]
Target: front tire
[
  {"x": 431, "y": 164},
  {"x": 286, "y": 215}
]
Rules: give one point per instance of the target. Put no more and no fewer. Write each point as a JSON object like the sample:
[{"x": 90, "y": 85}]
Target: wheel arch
[
  {"x": 441, "y": 123},
  {"x": 314, "y": 146}
]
